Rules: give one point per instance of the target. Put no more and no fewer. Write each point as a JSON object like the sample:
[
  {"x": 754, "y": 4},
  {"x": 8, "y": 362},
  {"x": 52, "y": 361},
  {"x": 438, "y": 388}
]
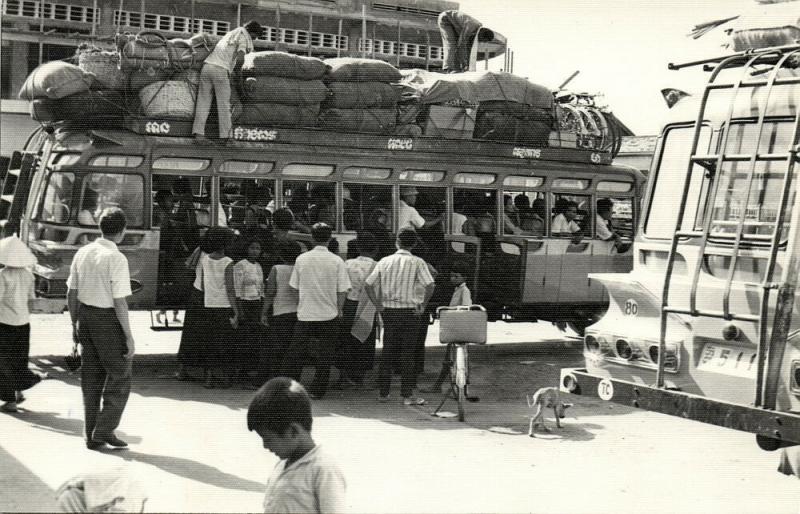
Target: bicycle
[{"x": 458, "y": 328}]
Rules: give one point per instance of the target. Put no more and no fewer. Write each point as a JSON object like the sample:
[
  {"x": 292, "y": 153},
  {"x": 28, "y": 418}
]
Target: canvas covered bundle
[
  {"x": 513, "y": 122},
  {"x": 474, "y": 87},
  {"x": 283, "y": 90},
  {"x": 102, "y": 105},
  {"x": 362, "y": 95},
  {"x": 375, "y": 121},
  {"x": 55, "y": 79},
  {"x": 353, "y": 69},
  {"x": 279, "y": 114},
  {"x": 282, "y": 64}
]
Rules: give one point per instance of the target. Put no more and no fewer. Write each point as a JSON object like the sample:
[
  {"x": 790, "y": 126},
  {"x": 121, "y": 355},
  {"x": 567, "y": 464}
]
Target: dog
[{"x": 546, "y": 398}]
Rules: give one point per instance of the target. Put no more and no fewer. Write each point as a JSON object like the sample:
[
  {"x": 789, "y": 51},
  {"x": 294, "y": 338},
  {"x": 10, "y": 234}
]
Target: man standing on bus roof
[
  {"x": 99, "y": 283},
  {"x": 215, "y": 77}
]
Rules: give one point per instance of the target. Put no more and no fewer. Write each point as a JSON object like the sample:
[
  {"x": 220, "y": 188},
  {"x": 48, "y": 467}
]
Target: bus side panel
[
  {"x": 143, "y": 265},
  {"x": 576, "y": 264},
  {"x": 552, "y": 271},
  {"x": 535, "y": 272},
  {"x": 601, "y": 263}
]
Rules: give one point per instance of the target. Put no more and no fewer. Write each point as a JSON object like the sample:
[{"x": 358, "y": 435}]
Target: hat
[
  {"x": 15, "y": 254},
  {"x": 408, "y": 190}
]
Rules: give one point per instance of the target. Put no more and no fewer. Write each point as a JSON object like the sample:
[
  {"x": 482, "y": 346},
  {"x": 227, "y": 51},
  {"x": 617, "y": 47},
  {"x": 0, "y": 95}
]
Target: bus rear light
[
  {"x": 591, "y": 344},
  {"x": 671, "y": 357},
  {"x": 624, "y": 349},
  {"x": 794, "y": 379}
]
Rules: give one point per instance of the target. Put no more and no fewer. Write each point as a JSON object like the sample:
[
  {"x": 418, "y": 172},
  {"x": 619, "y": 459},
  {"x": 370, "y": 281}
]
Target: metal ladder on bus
[
  {"x": 14, "y": 192},
  {"x": 776, "y": 57}
]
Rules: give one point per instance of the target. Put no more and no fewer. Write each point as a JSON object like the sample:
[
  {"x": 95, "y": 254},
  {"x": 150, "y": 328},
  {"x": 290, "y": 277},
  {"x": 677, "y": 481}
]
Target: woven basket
[
  {"x": 105, "y": 66},
  {"x": 168, "y": 99}
]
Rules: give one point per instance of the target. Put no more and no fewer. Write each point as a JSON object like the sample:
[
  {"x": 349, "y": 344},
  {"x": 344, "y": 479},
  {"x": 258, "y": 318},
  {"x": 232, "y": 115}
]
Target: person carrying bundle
[{"x": 215, "y": 77}]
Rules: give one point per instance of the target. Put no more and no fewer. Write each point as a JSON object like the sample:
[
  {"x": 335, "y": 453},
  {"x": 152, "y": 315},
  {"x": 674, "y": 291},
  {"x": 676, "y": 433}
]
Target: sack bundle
[
  {"x": 513, "y": 122},
  {"x": 150, "y": 50},
  {"x": 281, "y": 89},
  {"x": 364, "y": 96}
]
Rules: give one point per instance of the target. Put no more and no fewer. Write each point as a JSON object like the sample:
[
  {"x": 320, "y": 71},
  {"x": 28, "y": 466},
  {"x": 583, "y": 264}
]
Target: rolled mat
[
  {"x": 281, "y": 64},
  {"x": 362, "y": 95},
  {"x": 283, "y": 90},
  {"x": 279, "y": 114},
  {"x": 374, "y": 121},
  {"x": 352, "y": 69}
]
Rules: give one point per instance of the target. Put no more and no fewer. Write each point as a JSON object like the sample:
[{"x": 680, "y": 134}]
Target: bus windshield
[{"x": 78, "y": 199}]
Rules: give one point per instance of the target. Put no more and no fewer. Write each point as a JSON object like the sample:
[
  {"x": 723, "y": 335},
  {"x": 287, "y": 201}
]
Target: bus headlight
[{"x": 624, "y": 349}]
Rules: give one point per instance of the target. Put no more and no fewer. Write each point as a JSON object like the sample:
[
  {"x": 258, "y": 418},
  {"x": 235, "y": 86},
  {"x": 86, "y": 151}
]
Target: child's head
[
  {"x": 321, "y": 233},
  {"x": 216, "y": 239},
  {"x": 253, "y": 250},
  {"x": 280, "y": 412},
  {"x": 459, "y": 273}
]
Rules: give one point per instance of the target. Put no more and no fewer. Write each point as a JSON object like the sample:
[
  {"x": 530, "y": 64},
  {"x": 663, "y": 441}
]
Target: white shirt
[
  {"x": 224, "y": 54},
  {"x": 286, "y": 298},
  {"x": 602, "y": 231},
  {"x": 100, "y": 274},
  {"x": 562, "y": 226},
  {"x": 314, "y": 483},
  {"x": 248, "y": 280},
  {"x": 215, "y": 293},
  {"x": 399, "y": 274},
  {"x": 319, "y": 276},
  {"x": 358, "y": 270},
  {"x": 461, "y": 296},
  {"x": 457, "y": 221},
  {"x": 408, "y": 216},
  {"x": 16, "y": 288}
]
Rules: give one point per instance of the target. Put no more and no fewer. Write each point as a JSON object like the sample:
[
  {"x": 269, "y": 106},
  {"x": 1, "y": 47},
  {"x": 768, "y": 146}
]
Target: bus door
[
  {"x": 569, "y": 256},
  {"x": 522, "y": 245},
  {"x": 181, "y": 212},
  {"x": 475, "y": 215},
  {"x": 367, "y": 208},
  {"x": 422, "y": 203}
]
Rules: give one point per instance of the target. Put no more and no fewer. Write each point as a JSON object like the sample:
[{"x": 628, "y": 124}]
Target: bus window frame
[
  {"x": 89, "y": 162},
  {"x": 545, "y": 195},
  {"x": 340, "y": 183},
  {"x": 145, "y": 197},
  {"x": 655, "y": 170},
  {"x": 209, "y": 168}
]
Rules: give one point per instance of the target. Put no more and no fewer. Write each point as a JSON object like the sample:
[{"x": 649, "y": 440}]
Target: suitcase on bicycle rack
[{"x": 463, "y": 324}]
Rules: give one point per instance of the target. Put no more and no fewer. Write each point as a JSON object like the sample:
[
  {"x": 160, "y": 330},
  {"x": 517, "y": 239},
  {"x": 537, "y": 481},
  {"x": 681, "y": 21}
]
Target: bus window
[
  {"x": 190, "y": 208},
  {"x": 424, "y": 208},
  {"x": 310, "y": 202},
  {"x": 475, "y": 214},
  {"x": 760, "y": 207},
  {"x": 57, "y": 200},
  {"x": 613, "y": 216},
  {"x": 237, "y": 195},
  {"x": 364, "y": 205},
  {"x": 526, "y": 211},
  {"x": 570, "y": 215},
  {"x": 669, "y": 176},
  {"x": 103, "y": 190}
]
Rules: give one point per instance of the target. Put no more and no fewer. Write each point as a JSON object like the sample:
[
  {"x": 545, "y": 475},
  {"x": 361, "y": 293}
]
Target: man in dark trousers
[
  {"x": 458, "y": 35},
  {"x": 400, "y": 287},
  {"x": 99, "y": 283},
  {"x": 322, "y": 281}
]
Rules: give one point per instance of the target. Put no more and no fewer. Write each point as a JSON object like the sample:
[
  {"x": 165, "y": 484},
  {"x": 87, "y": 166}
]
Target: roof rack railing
[{"x": 778, "y": 50}]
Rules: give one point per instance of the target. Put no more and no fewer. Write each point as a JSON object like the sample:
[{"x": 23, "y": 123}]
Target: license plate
[{"x": 740, "y": 362}]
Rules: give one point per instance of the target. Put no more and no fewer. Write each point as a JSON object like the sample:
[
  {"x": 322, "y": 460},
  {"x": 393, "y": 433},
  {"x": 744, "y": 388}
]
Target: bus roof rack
[{"x": 777, "y": 50}]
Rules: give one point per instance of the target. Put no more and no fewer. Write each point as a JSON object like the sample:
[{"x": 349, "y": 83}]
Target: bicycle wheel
[{"x": 460, "y": 371}]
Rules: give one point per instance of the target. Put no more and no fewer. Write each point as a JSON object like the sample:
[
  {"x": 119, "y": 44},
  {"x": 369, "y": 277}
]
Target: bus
[
  {"x": 477, "y": 198},
  {"x": 705, "y": 326}
]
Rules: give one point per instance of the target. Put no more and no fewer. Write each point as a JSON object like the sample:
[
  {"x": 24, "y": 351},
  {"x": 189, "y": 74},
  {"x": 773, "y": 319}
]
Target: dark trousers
[
  {"x": 106, "y": 373},
  {"x": 315, "y": 339},
  {"x": 250, "y": 336},
  {"x": 399, "y": 347},
  {"x": 281, "y": 331},
  {"x": 15, "y": 343},
  {"x": 354, "y": 358},
  {"x": 419, "y": 346}
]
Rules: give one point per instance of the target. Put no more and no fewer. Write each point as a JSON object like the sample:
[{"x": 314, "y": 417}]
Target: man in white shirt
[
  {"x": 215, "y": 77},
  {"x": 99, "y": 283},
  {"x": 322, "y": 282},
  {"x": 564, "y": 222},
  {"x": 602, "y": 219},
  {"x": 393, "y": 288},
  {"x": 407, "y": 214}
]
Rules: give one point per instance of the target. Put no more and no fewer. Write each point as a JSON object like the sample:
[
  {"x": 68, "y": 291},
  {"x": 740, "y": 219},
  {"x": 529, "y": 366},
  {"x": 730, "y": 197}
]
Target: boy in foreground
[{"x": 306, "y": 479}]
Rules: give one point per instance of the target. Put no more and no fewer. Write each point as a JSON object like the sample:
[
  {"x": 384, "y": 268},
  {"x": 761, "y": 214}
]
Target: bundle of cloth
[
  {"x": 283, "y": 89},
  {"x": 482, "y": 105},
  {"x": 364, "y": 96},
  {"x": 59, "y": 91}
]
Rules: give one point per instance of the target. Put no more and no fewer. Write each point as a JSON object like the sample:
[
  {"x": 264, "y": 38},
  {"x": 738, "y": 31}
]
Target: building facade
[{"x": 402, "y": 32}]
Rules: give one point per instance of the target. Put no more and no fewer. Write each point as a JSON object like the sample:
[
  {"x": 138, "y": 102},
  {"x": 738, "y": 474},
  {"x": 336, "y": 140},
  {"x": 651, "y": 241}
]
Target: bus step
[{"x": 712, "y": 314}]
